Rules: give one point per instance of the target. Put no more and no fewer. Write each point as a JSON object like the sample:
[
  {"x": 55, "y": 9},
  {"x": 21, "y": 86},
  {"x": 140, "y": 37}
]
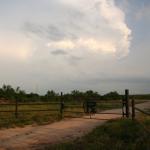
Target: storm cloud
[
  {"x": 72, "y": 44},
  {"x": 88, "y": 26}
]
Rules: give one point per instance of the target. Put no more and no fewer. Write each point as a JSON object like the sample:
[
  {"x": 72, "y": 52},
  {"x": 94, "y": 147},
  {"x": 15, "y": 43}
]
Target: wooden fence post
[
  {"x": 16, "y": 108},
  {"x": 127, "y": 102},
  {"x": 61, "y": 105},
  {"x": 123, "y": 107},
  {"x": 133, "y": 109}
]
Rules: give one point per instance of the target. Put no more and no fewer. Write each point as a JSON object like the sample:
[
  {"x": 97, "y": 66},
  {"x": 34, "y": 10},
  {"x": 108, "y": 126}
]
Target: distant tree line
[
  {"x": 141, "y": 96},
  {"x": 7, "y": 92}
]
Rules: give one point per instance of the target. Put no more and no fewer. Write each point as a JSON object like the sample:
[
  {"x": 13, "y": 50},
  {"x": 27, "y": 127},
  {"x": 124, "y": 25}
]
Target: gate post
[
  {"x": 133, "y": 109},
  {"x": 127, "y": 102},
  {"x": 123, "y": 106},
  {"x": 16, "y": 108},
  {"x": 61, "y": 106}
]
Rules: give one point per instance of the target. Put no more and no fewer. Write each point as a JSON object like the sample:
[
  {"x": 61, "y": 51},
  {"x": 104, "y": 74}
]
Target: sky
[{"x": 66, "y": 45}]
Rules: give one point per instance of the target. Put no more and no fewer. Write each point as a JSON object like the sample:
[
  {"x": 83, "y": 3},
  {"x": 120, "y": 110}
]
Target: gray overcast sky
[{"x": 64, "y": 45}]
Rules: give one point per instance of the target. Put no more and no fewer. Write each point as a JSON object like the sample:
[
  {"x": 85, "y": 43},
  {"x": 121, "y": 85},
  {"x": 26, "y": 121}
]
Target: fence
[
  {"x": 59, "y": 108},
  {"x": 64, "y": 109},
  {"x": 134, "y": 109}
]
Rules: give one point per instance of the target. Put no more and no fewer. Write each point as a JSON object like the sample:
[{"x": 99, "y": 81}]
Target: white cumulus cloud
[{"x": 98, "y": 26}]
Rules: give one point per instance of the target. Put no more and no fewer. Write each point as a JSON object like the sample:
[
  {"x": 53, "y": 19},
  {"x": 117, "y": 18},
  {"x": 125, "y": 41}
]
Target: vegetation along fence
[{"x": 66, "y": 109}]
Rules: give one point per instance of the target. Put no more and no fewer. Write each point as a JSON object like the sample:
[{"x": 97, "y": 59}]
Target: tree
[
  {"x": 112, "y": 95},
  {"x": 92, "y": 95},
  {"x": 51, "y": 95},
  {"x": 77, "y": 95},
  {"x": 8, "y": 91}
]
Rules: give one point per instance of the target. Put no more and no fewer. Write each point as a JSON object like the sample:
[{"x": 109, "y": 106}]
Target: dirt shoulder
[{"x": 28, "y": 137}]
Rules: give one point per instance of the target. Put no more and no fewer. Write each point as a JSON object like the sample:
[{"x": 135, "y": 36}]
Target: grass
[
  {"x": 25, "y": 117},
  {"x": 106, "y": 106},
  {"x": 28, "y": 119},
  {"x": 7, "y": 119},
  {"x": 113, "y": 135}
]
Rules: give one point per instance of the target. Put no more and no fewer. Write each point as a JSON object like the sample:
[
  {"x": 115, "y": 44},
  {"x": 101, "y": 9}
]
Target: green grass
[
  {"x": 39, "y": 118},
  {"x": 8, "y": 120},
  {"x": 113, "y": 135},
  {"x": 106, "y": 106}
]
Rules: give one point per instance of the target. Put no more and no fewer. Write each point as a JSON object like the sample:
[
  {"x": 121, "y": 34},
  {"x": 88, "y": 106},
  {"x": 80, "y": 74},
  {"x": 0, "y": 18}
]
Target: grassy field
[
  {"x": 26, "y": 117},
  {"x": 30, "y": 114},
  {"x": 113, "y": 135}
]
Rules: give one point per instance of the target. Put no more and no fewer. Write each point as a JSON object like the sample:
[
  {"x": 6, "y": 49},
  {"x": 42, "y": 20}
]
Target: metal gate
[{"x": 107, "y": 107}]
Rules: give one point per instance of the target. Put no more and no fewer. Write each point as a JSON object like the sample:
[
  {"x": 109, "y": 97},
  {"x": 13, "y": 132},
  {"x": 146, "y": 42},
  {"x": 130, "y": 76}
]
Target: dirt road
[{"x": 28, "y": 137}]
